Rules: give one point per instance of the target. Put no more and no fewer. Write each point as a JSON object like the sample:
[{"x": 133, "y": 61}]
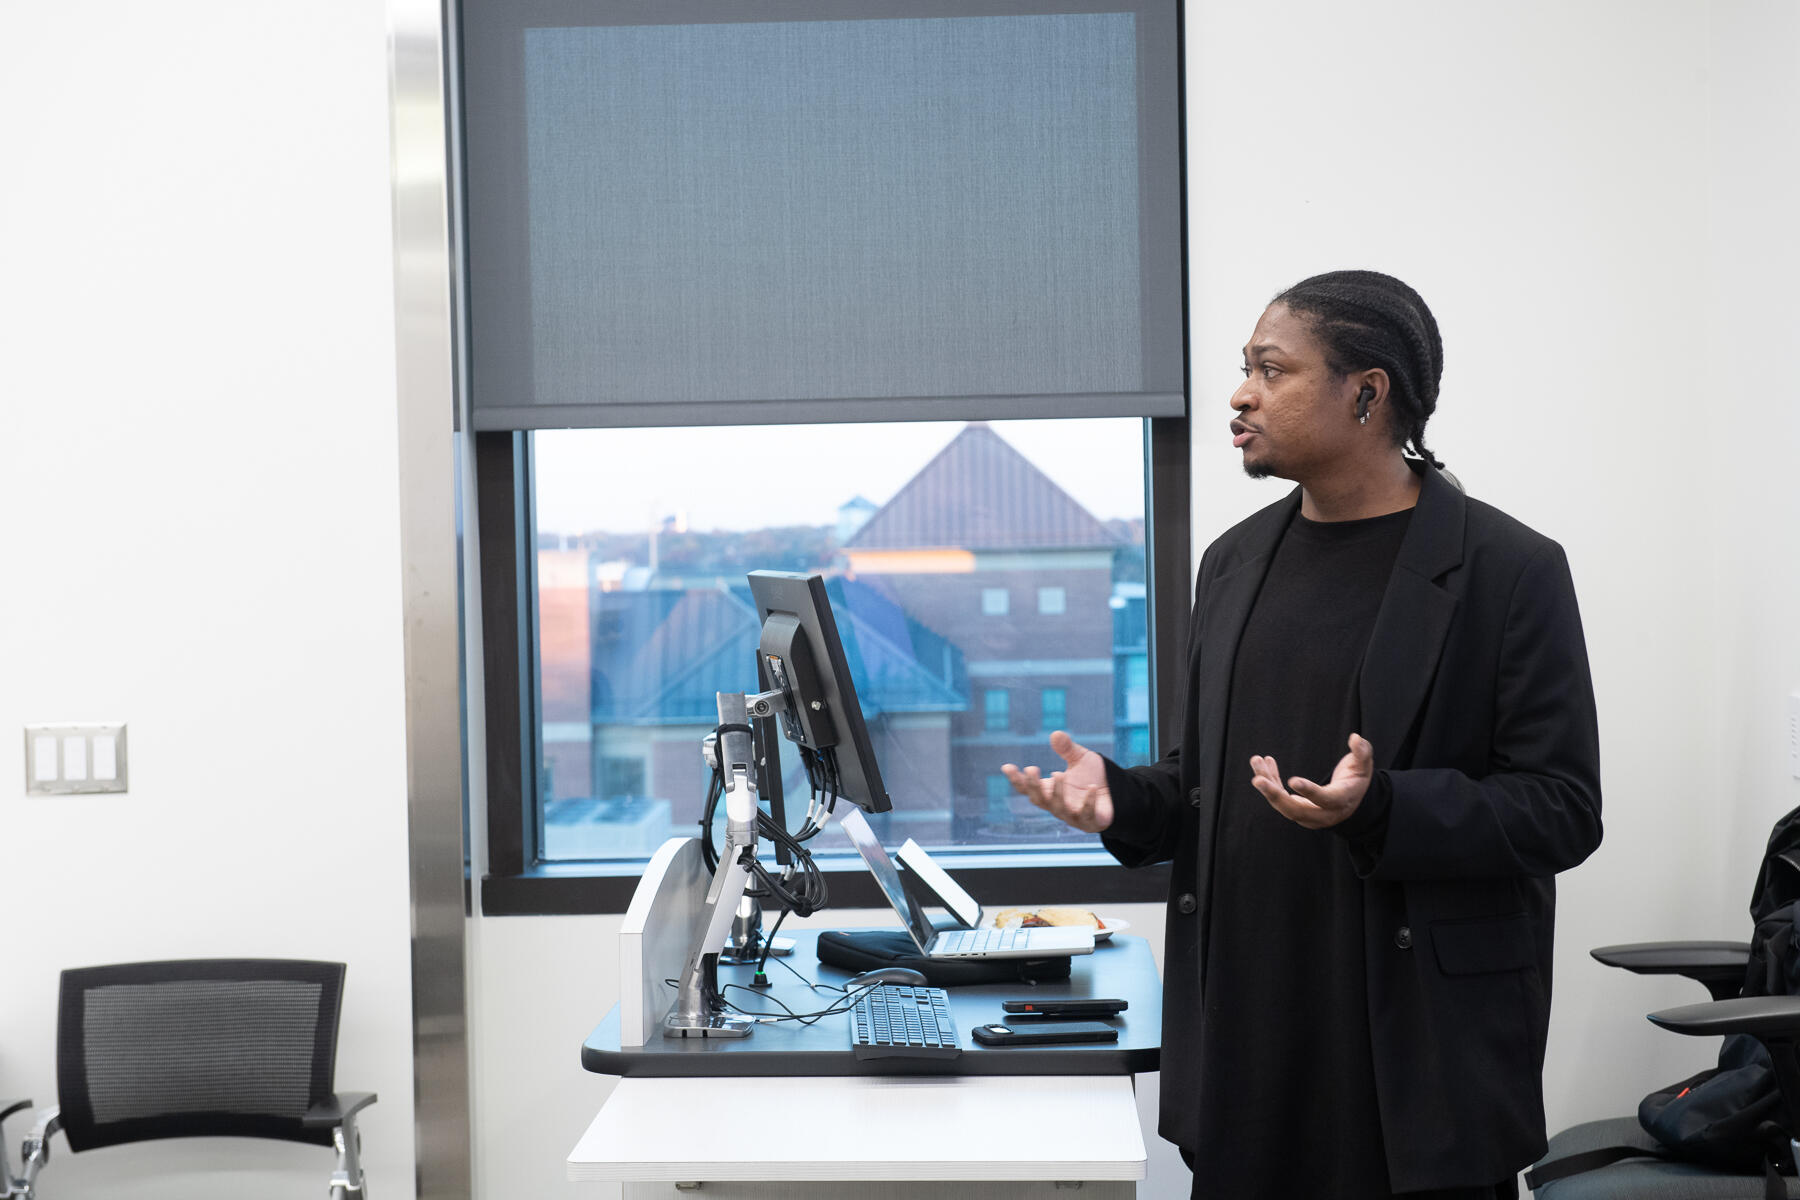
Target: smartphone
[
  {"x": 1054, "y": 1009},
  {"x": 1045, "y": 1033}
]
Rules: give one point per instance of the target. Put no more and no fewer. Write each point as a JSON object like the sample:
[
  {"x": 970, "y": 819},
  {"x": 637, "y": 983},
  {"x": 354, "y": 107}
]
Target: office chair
[
  {"x": 197, "y": 1048},
  {"x": 1774, "y": 1020}
]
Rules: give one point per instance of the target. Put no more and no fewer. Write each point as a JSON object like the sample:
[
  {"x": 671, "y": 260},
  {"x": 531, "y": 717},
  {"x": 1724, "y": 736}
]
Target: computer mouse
[{"x": 905, "y": 976}]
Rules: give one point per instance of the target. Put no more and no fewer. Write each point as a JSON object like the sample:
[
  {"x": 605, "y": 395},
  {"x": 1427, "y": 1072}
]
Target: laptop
[{"x": 1044, "y": 942}]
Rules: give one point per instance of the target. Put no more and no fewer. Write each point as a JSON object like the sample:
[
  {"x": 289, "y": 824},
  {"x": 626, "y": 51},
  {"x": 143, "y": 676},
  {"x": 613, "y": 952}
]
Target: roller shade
[{"x": 820, "y": 212}]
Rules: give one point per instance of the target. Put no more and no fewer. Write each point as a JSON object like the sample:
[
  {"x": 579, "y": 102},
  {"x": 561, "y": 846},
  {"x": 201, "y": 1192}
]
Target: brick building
[{"x": 984, "y": 548}]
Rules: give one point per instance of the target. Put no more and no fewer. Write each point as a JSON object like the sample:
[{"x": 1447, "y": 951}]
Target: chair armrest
[
  {"x": 335, "y": 1109},
  {"x": 9, "y": 1107},
  {"x": 35, "y": 1150},
  {"x": 1766, "y": 1018},
  {"x": 1716, "y": 966}
]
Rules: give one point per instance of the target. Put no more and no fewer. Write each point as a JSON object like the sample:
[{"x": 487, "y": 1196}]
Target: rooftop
[{"x": 978, "y": 493}]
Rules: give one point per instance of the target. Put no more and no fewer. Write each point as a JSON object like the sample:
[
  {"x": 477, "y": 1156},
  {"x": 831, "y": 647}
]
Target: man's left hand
[{"x": 1314, "y": 805}]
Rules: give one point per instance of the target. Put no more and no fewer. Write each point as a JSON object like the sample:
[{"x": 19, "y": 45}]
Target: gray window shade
[{"x": 741, "y": 221}]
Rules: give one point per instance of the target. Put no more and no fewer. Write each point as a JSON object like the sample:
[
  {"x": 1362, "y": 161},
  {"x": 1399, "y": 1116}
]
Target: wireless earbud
[{"x": 1362, "y": 403}]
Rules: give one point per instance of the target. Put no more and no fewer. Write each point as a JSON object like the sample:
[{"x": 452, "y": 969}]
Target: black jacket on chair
[{"x": 1476, "y": 697}]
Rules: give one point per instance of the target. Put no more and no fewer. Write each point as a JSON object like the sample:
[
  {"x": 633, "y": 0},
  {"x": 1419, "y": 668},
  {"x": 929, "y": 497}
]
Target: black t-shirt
[{"x": 1287, "y": 1090}]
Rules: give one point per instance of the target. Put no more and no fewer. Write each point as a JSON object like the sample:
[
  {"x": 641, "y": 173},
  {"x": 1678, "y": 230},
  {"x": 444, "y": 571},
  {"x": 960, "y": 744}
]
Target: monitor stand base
[
  {"x": 752, "y": 954},
  {"x": 714, "y": 1026}
]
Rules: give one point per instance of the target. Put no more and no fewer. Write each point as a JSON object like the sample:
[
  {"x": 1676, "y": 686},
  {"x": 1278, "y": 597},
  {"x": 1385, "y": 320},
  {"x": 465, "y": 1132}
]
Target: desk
[
  {"x": 1007, "y": 1123},
  {"x": 789, "y": 1111},
  {"x": 999, "y": 1136},
  {"x": 1122, "y": 967}
]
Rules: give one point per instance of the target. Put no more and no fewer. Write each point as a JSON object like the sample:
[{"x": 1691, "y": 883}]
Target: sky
[{"x": 749, "y": 477}]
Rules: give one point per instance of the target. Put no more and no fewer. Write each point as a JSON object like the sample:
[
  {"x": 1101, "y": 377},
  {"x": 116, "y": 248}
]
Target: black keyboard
[{"x": 895, "y": 1021}]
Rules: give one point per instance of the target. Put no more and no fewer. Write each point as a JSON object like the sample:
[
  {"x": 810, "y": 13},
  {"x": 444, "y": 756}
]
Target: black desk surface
[{"x": 1121, "y": 967}]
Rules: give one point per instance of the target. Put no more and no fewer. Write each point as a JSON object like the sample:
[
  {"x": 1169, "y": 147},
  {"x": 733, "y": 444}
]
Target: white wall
[{"x": 199, "y": 508}]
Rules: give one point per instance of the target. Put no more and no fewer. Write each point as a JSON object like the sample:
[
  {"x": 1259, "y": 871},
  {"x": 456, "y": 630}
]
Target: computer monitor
[{"x": 800, "y": 652}]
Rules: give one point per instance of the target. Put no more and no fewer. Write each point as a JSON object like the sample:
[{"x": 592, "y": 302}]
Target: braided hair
[{"x": 1366, "y": 319}]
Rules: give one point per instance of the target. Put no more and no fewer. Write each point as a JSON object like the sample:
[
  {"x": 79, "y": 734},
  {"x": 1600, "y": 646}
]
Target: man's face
[{"x": 1294, "y": 414}]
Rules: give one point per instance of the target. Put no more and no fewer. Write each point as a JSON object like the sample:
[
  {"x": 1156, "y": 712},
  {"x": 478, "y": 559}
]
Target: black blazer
[{"x": 1476, "y": 696}]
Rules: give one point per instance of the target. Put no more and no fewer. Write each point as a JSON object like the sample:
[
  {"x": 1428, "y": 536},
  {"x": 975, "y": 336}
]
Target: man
[{"x": 1357, "y": 982}]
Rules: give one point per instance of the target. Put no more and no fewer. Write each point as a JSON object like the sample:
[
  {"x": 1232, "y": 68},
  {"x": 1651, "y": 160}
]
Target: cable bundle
[{"x": 800, "y": 887}]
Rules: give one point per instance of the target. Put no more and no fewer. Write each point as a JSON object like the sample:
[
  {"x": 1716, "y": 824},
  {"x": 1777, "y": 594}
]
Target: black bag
[
  {"x": 868, "y": 949},
  {"x": 1729, "y": 1116},
  {"x": 1726, "y": 1116}
]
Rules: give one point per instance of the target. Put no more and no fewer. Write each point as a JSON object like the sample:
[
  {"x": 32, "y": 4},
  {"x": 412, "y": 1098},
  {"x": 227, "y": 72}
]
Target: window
[
  {"x": 1056, "y": 709},
  {"x": 996, "y": 707},
  {"x": 1138, "y": 747},
  {"x": 657, "y": 412},
  {"x": 1000, "y": 795},
  {"x": 638, "y": 613},
  {"x": 623, "y": 777},
  {"x": 641, "y": 614}
]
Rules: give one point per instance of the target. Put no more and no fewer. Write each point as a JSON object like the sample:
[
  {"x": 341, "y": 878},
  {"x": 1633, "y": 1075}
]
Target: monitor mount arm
[
  {"x": 696, "y": 1012},
  {"x": 766, "y": 704},
  {"x": 746, "y": 943}
]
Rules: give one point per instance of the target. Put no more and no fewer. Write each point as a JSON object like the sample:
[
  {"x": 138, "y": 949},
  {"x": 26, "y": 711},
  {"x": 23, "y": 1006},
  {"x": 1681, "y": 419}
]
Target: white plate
[{"x": 1113, "y": 925}]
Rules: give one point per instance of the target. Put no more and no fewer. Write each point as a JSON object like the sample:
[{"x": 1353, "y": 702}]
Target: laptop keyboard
[
  {"x": 977, "y": 941},
  {"x": 896, "y": 1021}
]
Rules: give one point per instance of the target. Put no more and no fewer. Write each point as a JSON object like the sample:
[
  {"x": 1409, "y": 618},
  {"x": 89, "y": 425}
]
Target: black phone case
[
  {"x": 1063, "y": 1009},
  {"x": 1045, "y": 1033}
]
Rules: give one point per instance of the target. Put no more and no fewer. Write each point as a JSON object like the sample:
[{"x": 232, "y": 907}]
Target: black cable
[
  {"x": 813, "y": 984},
  {"x": 788, "y": 1014},
  {"x": 769, "y": 944},
  {"x": 810, "y": 894},
  {"x": 708, "y": 852},
  {"x": 815, "y": 782},
  {"x": 833, "y": 781},
  {"x": 801, "y": 887}
]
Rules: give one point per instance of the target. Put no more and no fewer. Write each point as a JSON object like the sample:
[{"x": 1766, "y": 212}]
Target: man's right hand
[{"x": 1077, "y": 795}]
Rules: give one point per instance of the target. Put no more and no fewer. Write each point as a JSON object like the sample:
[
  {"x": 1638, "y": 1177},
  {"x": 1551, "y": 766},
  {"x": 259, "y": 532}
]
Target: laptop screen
[
  {"x": 887, "y": 875},
  {"x": 949, "y": 893}
]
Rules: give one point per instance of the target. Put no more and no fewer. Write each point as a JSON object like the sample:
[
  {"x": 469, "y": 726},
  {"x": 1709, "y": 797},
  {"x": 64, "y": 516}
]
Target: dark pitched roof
[
  {"x": 979, "y": 493},
  {"x": 660, "y": 657}
]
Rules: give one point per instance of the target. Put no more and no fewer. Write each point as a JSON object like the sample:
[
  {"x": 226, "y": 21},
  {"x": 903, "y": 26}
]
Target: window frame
[{"x": 518, "y": 881}]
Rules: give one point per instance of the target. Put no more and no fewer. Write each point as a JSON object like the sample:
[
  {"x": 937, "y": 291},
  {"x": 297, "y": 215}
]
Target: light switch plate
[
  {"x": 1793, "y": 733},
  {"x": 65, "y": 760}
]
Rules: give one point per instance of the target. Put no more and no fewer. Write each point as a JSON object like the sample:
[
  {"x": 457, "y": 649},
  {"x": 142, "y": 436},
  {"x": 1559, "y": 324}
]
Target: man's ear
[{"x": 1376, "y": 380}]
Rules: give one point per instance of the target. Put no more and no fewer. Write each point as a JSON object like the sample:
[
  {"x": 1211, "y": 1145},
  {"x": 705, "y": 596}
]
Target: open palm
[
  {"x": 1076, "y": 795},
  {"x": 1317, "y": 806}
]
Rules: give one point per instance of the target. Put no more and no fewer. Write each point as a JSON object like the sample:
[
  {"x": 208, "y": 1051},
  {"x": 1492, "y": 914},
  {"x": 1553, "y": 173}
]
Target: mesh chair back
[{"x": 199, "y": 1047}]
